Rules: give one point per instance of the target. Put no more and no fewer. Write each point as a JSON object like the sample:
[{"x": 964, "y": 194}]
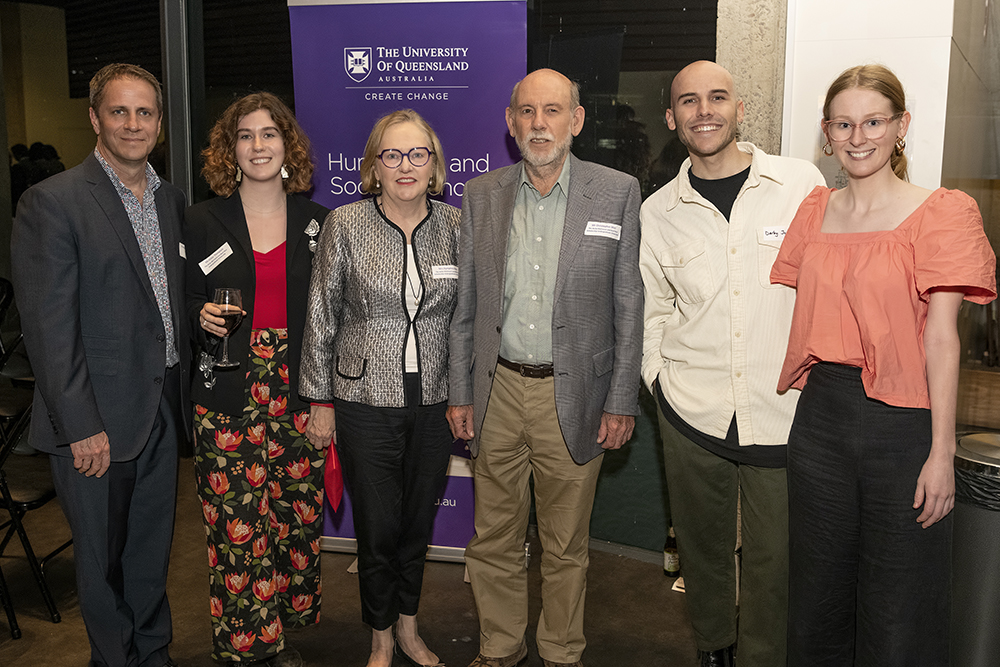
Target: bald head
[
  {"x": 694, "y": 77},
  {"x": 551, "y": 79},
  {"x": 705, "y": 113}
]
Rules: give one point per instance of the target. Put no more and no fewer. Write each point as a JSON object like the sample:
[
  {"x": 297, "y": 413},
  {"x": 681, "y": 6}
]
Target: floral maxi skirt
[{"x": 260, "y": 482}]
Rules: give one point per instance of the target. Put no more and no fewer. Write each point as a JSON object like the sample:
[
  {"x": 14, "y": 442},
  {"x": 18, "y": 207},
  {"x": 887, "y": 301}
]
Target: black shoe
[
  {"x": 723, "y": 657},
  {"x": 287, "y": 658}
]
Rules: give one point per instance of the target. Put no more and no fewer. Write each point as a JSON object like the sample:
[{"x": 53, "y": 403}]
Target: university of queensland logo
[{"x": 358, "y": 62}]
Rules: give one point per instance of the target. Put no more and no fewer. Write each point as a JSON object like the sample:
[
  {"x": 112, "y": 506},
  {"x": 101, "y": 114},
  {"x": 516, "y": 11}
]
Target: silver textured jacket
[{"x": 357, "y": 322}]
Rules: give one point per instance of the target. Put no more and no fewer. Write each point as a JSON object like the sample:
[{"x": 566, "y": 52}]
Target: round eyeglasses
[
  {"x": 873, "y": 128},
  {"x": 393, "y": 157}
]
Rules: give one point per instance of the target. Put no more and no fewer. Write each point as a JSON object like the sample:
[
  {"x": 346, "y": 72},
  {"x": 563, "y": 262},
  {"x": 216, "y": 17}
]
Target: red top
[
  {"x": 270, "y": 301},
  {"x": 862, "y": 298}
]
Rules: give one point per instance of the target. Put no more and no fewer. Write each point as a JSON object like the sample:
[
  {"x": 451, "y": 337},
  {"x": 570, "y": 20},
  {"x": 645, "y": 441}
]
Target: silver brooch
[
  {"x": 312, "y": 229},
  {"x": 205, "y": 364}
]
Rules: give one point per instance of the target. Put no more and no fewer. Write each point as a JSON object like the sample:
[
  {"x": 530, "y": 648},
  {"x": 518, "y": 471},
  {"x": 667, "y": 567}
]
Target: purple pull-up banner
[{"x": 455, "y": 63}]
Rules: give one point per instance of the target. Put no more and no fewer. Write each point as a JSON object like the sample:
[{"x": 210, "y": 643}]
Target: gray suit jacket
[
  {"x": 91, "y": 324},
  {"x": 597, "y": 314}
]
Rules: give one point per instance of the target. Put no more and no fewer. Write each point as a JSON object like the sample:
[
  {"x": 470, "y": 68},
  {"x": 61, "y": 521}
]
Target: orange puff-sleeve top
[{"x": 862, "y": 298}]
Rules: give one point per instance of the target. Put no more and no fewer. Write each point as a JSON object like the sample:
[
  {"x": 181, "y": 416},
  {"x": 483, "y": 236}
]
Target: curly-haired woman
[{"x": 259, "y": 476}]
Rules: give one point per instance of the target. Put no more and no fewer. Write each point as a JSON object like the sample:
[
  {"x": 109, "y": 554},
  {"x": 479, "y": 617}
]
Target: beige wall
[
  {"x": 750, "y": 43},
  {"x": 10, "y": 36},
  {"x": 36, "y": 77}
]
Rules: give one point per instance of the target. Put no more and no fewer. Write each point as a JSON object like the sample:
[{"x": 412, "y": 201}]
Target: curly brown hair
[{"x": 220, "y": 156}]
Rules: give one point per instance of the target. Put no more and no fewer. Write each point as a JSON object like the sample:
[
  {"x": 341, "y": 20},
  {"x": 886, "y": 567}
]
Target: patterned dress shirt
[{"x": 146, "y": 226}]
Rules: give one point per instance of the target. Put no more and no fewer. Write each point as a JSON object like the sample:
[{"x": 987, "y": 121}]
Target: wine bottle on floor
[{"x": 671, "y": 559}]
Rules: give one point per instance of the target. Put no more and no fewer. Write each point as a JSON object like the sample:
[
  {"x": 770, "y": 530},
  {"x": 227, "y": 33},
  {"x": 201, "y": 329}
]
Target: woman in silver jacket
[{"x": 383, "y": 291}]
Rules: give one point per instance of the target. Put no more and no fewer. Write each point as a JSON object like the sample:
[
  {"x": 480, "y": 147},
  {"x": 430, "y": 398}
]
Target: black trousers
[
  {"x": 395, "y": 461},
  {"x": 868, "y": 586},
  {"x": 122, "y": 525}
]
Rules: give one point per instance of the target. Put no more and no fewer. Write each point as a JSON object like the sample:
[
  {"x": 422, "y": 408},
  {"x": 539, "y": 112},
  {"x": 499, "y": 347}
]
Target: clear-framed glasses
[
  {"x": 873, "y": 128},
  {"x": 393, "y": 157}
]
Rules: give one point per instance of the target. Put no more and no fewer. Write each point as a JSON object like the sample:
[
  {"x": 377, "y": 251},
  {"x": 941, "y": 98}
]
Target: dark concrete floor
[{"x": 633, "y": 618}]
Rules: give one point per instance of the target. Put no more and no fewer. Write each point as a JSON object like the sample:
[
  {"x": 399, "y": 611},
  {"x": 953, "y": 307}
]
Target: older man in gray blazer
[
  {"x": 545, "y": 353},
  {"x": 98, "y": 274}
]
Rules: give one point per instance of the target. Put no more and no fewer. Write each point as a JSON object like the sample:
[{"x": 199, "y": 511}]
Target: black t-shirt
[{"x": 721, "y": 191}]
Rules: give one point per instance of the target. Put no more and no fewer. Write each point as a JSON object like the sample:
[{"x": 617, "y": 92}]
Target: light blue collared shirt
[{"x": 532, "y": 261}]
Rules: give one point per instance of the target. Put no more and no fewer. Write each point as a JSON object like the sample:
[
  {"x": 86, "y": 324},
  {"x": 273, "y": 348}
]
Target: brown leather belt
[{"x": 536, "y": 371}]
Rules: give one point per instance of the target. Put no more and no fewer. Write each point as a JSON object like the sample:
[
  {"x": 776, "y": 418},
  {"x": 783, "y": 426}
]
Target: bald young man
[
  {"x": 545, "y": 352},
  {"x": 714, "y": 340}
]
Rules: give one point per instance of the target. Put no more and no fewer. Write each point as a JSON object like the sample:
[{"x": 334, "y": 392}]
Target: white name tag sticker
[
  {"x": 208, "y": 264},
  {"x": 444, "y": 272},
  {"x": 183, "y": 251},
  {"x": 774, "y": 233},
  {"x": 606, "y": 229}
]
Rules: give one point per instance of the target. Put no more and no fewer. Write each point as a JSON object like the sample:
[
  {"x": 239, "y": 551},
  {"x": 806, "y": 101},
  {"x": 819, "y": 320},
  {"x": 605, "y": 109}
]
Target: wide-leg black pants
[{"x": 868, "y": 586}]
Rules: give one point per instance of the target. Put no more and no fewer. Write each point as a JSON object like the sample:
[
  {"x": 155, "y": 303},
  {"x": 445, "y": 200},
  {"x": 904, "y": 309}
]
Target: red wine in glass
[
  {"x": 230, "y": 300},
  {"x": 232, "y": 315}
]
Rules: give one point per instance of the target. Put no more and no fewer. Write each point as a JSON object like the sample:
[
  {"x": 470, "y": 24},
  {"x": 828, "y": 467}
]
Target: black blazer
[
  {"x": 91, "y": 323},
  {"x": 207, "y": 227}
]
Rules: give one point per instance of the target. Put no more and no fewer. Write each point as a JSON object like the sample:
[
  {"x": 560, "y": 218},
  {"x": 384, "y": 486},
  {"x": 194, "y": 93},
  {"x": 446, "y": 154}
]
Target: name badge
[
  {"x": 208, "y": 264},
  {"x": 444, "y": 271},
  {"x": 606, "y": 229},
  {"x": 774, "y": 233},
  {"x": 183, "y": 251}
]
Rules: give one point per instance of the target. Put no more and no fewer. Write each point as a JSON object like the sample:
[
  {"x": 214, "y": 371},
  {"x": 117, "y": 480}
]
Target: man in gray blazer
[
  {"x": 98, "y": 275},
  {"x": 545, "y": 352}
]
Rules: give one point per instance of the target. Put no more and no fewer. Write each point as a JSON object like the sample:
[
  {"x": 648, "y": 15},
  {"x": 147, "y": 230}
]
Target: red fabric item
[
  {"x": 270, "y": 301},
  {"x": 333, "y": 478}
]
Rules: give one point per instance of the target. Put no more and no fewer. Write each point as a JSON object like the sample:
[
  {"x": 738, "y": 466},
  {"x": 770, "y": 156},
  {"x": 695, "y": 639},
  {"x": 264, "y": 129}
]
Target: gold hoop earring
[
  {"x": 827, "y": 149},
  {"x": 900, "y": 145}
]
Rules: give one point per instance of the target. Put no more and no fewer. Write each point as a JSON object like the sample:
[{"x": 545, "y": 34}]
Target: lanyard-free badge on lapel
[
  {"x": 606, "y": 229},
  {"x": 208, "y": 264}
]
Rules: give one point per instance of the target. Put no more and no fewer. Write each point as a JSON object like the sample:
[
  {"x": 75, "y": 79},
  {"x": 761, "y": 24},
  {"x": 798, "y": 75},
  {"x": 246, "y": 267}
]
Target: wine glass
[{"x": 230, "y": 300}]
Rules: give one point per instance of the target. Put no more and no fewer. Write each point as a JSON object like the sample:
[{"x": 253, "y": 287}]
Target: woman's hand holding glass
[{"x": 211, "y": 319}]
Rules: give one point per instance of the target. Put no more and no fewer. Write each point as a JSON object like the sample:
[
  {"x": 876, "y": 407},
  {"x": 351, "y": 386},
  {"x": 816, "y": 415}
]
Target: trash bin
[{"x": 975, "y": 616}]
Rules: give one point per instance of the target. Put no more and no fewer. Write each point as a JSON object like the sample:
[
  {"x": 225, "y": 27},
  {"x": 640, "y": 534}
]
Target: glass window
[
  {"x": 237, "y": 47},
  {"x": 624, "y": 56}
]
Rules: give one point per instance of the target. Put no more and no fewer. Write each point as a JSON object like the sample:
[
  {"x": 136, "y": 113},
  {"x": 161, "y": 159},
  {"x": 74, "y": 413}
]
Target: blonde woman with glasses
[
  {"x": 881, "y": 268},
  {"x": 383, "y": 291}
]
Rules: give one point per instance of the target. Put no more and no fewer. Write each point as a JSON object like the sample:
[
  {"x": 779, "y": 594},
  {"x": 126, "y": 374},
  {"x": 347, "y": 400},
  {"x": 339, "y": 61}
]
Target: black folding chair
[
  {"x": 30, "y": 485},
  {"x": 15, "y": 366}
]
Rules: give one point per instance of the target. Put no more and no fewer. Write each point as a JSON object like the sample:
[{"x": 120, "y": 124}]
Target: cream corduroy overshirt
[{"x": 716, "y": 329}]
